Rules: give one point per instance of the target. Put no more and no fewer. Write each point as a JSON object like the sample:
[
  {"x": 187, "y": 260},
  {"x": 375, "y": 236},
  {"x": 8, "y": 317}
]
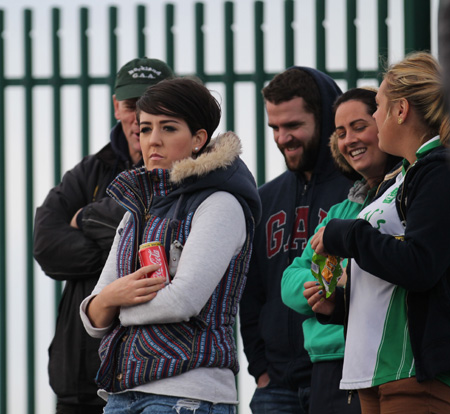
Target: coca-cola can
[{"x": 154, "y": 253}]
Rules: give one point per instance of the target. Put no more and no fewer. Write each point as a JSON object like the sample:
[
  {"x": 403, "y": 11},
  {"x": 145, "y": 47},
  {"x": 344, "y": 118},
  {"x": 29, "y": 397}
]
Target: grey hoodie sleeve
[{"x": 218, "y": 233}]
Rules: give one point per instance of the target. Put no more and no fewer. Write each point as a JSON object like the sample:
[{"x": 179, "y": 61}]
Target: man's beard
[{"x": 308, "y": 160}]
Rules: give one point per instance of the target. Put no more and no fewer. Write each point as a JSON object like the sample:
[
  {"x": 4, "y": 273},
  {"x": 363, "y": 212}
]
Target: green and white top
[{"x": 377, "y": 348}]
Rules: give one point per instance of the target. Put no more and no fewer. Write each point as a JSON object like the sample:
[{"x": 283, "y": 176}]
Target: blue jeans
[
  {"x": 274, "y": 399},
  {"x": 132, "y": 402}
]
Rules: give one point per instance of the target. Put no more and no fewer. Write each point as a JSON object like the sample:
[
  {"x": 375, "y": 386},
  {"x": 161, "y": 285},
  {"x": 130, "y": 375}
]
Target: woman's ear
[
  {"x": 199, "y": 139},
  {"x": 402, "y": 109}
]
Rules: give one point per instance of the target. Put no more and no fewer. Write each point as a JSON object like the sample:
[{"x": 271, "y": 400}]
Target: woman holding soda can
[{"x": 168, "y": 341}]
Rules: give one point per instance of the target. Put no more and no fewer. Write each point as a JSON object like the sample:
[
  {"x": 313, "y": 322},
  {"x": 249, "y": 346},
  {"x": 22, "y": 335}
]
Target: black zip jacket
[
  {"x": 77, "y": 256},
  {"x": 420, "y": 263},
  {"x": 292, "y": 208}
]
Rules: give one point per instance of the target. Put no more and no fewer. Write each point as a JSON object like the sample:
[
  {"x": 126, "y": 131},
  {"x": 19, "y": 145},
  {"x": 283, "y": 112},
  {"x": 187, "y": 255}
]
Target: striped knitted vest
[{"x": 135, "y": 355}]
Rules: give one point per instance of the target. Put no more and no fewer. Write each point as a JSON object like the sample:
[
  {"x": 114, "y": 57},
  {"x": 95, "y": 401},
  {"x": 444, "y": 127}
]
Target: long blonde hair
[{"x": 418, "y": 79}]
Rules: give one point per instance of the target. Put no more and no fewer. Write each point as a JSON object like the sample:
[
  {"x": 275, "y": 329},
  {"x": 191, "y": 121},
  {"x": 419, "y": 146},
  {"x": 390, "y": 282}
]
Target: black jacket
[
  {"x": 420, "y": 264},
  {"x": 78, "y": 256},
  {"x": 272, "y": 333}
]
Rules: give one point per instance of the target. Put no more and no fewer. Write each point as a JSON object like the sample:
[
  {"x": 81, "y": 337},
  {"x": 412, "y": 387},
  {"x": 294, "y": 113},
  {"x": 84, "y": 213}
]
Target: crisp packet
[{"x": 327, "y": 270}]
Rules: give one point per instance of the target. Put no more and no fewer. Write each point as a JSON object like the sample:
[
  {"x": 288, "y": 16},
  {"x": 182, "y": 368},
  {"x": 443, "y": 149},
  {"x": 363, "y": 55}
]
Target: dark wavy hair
[{"x": 292, "y": 83}]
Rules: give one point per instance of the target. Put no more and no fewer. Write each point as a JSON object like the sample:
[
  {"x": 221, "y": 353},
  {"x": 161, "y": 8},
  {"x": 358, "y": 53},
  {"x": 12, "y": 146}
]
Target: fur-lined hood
[
  {"x": 221, "y": 152},
  {"x": 218, "y": 168}
]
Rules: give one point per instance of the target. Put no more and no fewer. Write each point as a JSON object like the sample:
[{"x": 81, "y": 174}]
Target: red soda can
[{"x": 154, "y": 253}]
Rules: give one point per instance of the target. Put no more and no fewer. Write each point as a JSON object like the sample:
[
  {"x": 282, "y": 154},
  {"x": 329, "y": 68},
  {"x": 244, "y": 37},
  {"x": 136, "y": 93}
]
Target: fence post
[
  {"x": 259, "y": 101},
  {"x": 417, "y": 25},
  {"x": 229, "y": 65},
  {"x": 56, "y": 86},
  {"x": 352, "y": 64},
  {"x": 170, "y": 48},
  {"x": 112, "y": 58},
  {"x": 3, "y": 284},
  {"x": 320, "y": 36},
  {"x": 382, "y": 36},
  {"x": 84, "y": 79},
  {"x": 199, "y": 41},
  {"x": 141, "y": 23},
  {"x": 289, "y": 33},
  {"x": 28, "y": 84}
]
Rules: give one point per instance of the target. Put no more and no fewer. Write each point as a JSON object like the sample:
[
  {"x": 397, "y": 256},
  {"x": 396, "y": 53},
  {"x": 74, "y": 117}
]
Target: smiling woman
[
  {"x": 354, "y": 146},
  {"x": 171, "y": 346},
  {"x": 357, "y": 135}
]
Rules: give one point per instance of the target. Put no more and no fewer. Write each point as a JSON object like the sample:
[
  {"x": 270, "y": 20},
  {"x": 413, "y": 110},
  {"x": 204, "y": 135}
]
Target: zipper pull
[
  {"x": 350, "y": 395},
  {"x": 305, "y": 187}
]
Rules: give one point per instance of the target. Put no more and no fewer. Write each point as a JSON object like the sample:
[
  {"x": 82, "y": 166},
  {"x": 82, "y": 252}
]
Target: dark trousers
[{"x": 326, "y": 397}]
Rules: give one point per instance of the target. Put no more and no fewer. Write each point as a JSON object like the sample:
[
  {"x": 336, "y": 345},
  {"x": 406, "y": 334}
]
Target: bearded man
[{"x": 299, "y": 110}]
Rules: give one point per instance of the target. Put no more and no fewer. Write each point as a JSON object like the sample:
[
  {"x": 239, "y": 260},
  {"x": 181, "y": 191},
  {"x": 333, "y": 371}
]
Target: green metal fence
[{"x": 417, "y": 14}]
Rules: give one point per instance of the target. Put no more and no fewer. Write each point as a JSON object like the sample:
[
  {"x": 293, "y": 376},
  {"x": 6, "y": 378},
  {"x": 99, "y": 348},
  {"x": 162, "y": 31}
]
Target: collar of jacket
[{"x": 135, "y": 189}]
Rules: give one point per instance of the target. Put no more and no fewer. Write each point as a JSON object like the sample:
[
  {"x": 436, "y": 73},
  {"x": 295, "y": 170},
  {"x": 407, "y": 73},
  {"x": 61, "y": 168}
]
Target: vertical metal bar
[
  {"x": 56, "y": 86},
  {"x": 141, "y": 23},
  {"x": 229, "y": 65},
  {"x": 84, "y": 80},
  {"x": 383, "y": 39},
  {"x": 112, "y": 58},
  {"x": 259, "y": 101},
  {"x": 29, "y": 167},
  {"x": 170, "y": 48},
  {"x": 199, "y": 41},
  {"x": 289, "y": 33},
  {"x": 417, "y": 15},
  {"x": 229, "y": 79},
  {"x": 320, "y": 36},
  {"x": 352, "y": 71},
  {"x": 3, "y": 283}
]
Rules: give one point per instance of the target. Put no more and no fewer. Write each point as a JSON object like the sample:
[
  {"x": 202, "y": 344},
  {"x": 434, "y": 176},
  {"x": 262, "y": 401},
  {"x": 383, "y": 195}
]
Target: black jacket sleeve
[
  {"x": 418, "y": 262},
  {"x": 251, "y": 305},
  {"x": 66, "y": 253},
  {"x": 100, "y": 220}
]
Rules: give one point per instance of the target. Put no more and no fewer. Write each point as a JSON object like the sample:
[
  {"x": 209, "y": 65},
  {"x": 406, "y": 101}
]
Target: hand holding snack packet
[{"x": 327, "y": 270}]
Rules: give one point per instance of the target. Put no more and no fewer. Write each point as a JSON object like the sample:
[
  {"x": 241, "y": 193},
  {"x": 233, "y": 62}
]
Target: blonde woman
[{"x": 398, "y": 300}]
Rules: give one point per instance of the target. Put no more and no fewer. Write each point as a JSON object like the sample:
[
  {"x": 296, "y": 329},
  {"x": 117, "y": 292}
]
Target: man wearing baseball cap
[{"x": 73, "y": 233}]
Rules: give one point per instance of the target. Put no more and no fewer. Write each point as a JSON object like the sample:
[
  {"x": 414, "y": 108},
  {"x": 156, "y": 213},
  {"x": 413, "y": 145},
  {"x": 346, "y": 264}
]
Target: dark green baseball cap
[{"x": 137, "y": 75}]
